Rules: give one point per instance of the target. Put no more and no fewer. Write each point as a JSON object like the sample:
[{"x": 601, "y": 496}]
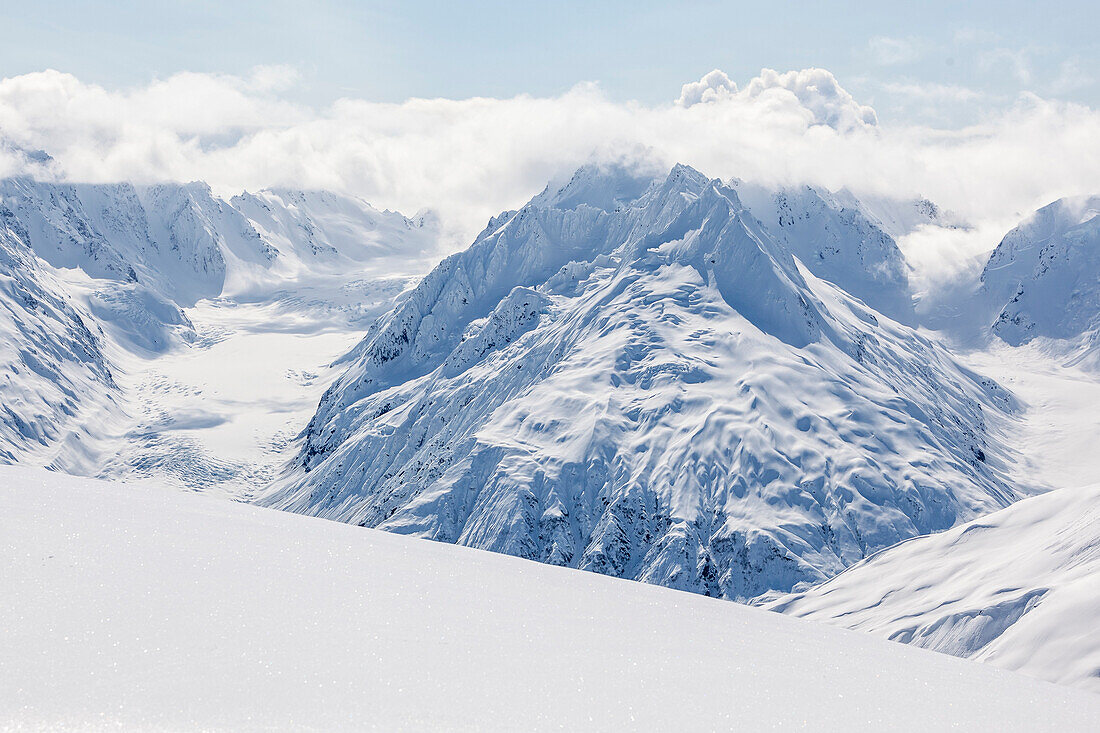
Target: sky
[
  {"x": 945, "y": 62},
  {"x": 468, "y": 109}
]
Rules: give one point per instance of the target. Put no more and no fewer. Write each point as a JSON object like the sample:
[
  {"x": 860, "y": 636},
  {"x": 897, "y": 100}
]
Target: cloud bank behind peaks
[{"x": 470, "y": 158}]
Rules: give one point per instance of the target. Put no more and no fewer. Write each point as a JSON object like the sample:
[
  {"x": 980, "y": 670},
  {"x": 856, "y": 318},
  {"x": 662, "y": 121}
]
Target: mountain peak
[
  {"x": 651, "y": 389},
  {"x": 604, "y": 186},
  {"x": 1041, "y": 279}
]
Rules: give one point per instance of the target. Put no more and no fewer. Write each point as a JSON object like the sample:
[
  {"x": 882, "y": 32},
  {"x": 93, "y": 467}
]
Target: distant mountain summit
[
  {"x": 1043, "y": 279},
  {"x": 837, "y": 240},
  {"x": 634, "y": 375}
]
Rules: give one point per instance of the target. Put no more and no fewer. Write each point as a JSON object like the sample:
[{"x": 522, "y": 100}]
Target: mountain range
[{"x": 714, "y": 386}]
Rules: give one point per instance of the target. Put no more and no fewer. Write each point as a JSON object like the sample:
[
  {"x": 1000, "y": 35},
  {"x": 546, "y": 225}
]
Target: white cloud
[
  {"x": 817, "y": 92},
  {"x": 471, "y": 158},
  {"x": 713, "y": 87}
]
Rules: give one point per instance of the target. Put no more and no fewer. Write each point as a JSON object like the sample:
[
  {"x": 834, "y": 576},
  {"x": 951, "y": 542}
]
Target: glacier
[{"x": 142, "y": 305}]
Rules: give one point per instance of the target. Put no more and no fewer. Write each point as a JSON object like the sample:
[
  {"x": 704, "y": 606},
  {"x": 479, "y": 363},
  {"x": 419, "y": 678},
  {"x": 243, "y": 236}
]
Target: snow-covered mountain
[
  {"x": 1043, "y": 279},
  {"x": 899, "y": 217},
  {"x": 634, "y": 376},
  {"x": 839, "y": 241},
  {"x": 115, "y": 287},
  {"x": 141, "y": 608},
  {"x": 159, "y": 248},
  {"x": 53, "y": 372},
  {"x": 712, "y": 387},
  {"x": 1019, "y": 589}
]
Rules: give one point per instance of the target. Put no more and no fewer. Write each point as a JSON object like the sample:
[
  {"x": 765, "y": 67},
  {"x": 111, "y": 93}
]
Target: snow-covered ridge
[
  {"x": 183, "y": 243},
  {"x": 53, "y": 371},
  {"x": 665, "y": 393},
  {"x": 104, "y": 281},
  {"x": 1019, "y": 589},
  {"x": 1043, "y": 279},
  {"x": 143, "y": 608},
  {"x": 838, "y": 240}
]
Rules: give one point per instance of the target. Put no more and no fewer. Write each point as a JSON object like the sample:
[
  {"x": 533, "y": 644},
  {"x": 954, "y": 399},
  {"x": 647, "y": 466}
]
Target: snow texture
[{"x": 1019, "y": 588}]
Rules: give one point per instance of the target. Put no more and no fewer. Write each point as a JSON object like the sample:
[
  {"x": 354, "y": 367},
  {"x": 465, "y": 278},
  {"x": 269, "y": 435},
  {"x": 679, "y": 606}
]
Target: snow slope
[
  {"x": 632, "y": 376},
  {"x": 138, "y": 608},
  {"x": 1060, "y": 425},
  {"x": 54, "y": 374},
  {"x": 212, "y": 321},
  {"x": 838, "y": 241},
  {"x": 1019, "y": 589},
  {"x": 1043, "y": 279}
]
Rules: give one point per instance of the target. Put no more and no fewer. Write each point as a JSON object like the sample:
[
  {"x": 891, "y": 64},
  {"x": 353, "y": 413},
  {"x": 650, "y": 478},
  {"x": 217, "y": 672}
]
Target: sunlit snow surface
[
  {"x": 1019, "y": 588},
  {"x": 627, "y": 376},
  {"x": 160, "y": 610}
]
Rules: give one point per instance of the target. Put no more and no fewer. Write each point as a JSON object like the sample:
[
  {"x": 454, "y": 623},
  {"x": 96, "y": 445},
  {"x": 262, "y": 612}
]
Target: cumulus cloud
[
  {"x": 469, "y": 159},
  {"x": 715, "y": 86},
  {"x": 814, "y": 95},
  {"x": 818, "y": 92}
]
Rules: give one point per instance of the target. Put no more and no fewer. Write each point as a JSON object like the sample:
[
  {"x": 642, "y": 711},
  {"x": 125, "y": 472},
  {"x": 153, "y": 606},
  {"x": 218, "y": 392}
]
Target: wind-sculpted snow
[
  {"x": 1019, "y": 589},
  {"x": 1041, "y": 280},
  {"x": 635, "y": 377},
  {"x": 53, "y": 372}
]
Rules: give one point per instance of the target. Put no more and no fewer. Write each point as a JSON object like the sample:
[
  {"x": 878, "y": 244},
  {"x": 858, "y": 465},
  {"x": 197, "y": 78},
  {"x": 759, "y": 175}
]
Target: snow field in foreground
[{"x": 164, "y": 610}]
